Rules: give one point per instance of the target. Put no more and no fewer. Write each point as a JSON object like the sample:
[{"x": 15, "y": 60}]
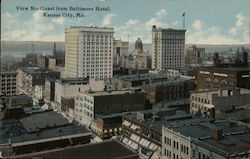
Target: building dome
[{"x": 138, "y": 46}]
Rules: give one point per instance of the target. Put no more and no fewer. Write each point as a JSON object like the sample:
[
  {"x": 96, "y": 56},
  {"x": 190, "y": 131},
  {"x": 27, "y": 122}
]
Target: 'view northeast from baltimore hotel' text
[{"x": 135, "y": 79}]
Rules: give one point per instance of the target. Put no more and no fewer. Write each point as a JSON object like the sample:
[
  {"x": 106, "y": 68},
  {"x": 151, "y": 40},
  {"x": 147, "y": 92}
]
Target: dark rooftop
[
  {"x": 42, "y": 120},
  {"x": 73, "y": 80},
  {"x": 139, "y": 77},
  {"x": 105, "y": 149},
  {"x": 167, "y": 82},
  {"x": 231, "y": 144},
  {"x": 35, "y": 70},
  {"x": 203, "y": 130},
  {"x": 228, "y": 68},
  {"x": 19, "y": 97}
]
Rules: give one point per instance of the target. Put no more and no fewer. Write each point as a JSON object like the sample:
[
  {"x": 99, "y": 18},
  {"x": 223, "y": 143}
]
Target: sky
[{"x": 206, "y": 21}]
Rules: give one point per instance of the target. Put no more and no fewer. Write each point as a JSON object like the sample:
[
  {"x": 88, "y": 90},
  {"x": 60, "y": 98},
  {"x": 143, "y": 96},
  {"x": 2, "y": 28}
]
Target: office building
[
  {"x": 168, "y": 46},
  {"x": 194, "y": 56},
  {"x": 8, "y": 83},
  {"x": 71, "y": 87},
  {"x": 28, "y": 77},
  {"x": 88, "y": 105},
  {"x": 210, "y": 104},
  {"x": 221, "y": 140},
  {"x": 120, "y": 49},
  {"x": 19, "y": 101},
  {"x": 168, "y": 90},
  {"x": 213, "y": 78},
  {"x": 135, "y": 80},
  {"x": 89, "y": 52}
]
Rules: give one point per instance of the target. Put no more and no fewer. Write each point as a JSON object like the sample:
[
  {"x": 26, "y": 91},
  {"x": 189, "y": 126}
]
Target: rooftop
[
  {"x": 224, "y": 92},
  {"x": 232, "y": 144},
  {"x": 19, "y": 97},
  {"x": 45, "y": 134},
  {"x": 178, "y": 102},
  {"x": 42, "y": 120},
  {"x": 88, "y": 29},
  {"x": 169, "y": 30},
  {"x": 105, "y": 149},
  {"x": 203, "y": 130},
  {"x": 42, "y": 123},
  {"x": 106, "y": 93},
  {"x": 73, "y": 80},
  {"x": 139, "y": 77},
  {"x": 167, "y": 82},
  {"x": 226, "y": 68},
  {"x": 8, "y": 73},
  {"x": 35, "y": 70}
]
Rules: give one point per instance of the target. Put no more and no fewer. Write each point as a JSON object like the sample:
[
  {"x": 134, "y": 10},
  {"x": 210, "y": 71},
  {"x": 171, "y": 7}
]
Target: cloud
[
  {"x": 239, "y": 25},
  {"x": 240, "y": 20},
  {"x": 131, "y": 22},
  {"x": 37, "y": 15},
  {"x": 154, "y": 21},
  {"x": 197, "y": 24},
  {"x": 161, "y": 13},
  {"x": 157, "y": 20},
  {"x": 37, "y": 28},
  {"x": 59, "y": 20},
  {"x": 107, "y": 19},
  {"x": 205, "y": 34}
]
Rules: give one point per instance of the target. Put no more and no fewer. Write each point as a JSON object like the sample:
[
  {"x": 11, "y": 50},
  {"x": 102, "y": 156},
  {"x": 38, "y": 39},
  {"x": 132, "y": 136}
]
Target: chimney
[{"x": 216, "y": 134}]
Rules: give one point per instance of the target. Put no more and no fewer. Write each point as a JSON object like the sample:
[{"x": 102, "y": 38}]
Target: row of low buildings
[
  {"x": 37, "y": 133},
  {"x": 172, "y": 133}
]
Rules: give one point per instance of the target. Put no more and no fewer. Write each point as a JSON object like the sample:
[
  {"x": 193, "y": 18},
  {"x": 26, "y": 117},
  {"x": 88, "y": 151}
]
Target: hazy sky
[{"x": 207, "y": 21}]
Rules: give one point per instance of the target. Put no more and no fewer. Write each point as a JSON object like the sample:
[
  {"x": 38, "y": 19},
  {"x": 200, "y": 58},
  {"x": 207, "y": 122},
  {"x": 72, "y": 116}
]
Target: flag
[{"x": 183, "y": 14}]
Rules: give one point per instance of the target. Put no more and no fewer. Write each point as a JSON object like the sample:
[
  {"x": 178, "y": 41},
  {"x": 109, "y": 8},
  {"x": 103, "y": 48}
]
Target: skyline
[{"x": 231, "y": 25}]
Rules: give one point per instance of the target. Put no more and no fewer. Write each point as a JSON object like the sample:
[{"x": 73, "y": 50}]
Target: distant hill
[
  {"x": 21, "y": 48},
  {"x": 208, "y": 48}
]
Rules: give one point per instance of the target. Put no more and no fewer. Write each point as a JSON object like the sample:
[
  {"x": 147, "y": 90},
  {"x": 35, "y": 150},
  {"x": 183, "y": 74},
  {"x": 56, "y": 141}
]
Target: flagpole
[{"x": 183, "y": 15}]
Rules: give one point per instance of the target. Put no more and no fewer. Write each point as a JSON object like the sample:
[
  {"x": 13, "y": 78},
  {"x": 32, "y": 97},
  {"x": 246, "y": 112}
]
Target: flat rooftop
[
  {"x": 19, "y": 97},
  {"x": 105, "y": 149},
  {"x": 204, "y": 94},
  {"x": 167, "y": 82},
  {"x": 106, "y": 93},
  {"x": 180, "y": 118},
  {"x": 204, "y": 129},
  {"x": 226, "y": 68},
  {"x": 18, "y": 131},
  {"x": 232, "y": 144},
  {"x": 139, "y": 77},
  {"x": 46, "y": 134},
  {"x": 8, "y": 73},
  {"x": 89, "y": 29},
  {"x": 38, "y": 121},
  {"x": 176, "y": 103},
  {"x": 35, "y": 70},
  {"x": 73, "y": 80},
  {"x": 169, "y": 29}
]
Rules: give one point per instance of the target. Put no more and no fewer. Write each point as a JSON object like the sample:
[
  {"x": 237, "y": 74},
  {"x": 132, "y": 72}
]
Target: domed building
[{"x": 138, "y": 46}]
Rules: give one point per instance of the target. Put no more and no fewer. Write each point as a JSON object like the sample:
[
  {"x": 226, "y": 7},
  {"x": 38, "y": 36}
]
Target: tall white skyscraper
[
  {"x": 89, "y": 52},
  {"x": 168, "y": 47}
]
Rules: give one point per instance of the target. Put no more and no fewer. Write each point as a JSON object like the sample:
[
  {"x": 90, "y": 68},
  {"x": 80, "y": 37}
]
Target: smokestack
[
  {"x": 216, "y": 57},
  {"x": 54, "y": 49},
  {"x": 245, "y": 57}
]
